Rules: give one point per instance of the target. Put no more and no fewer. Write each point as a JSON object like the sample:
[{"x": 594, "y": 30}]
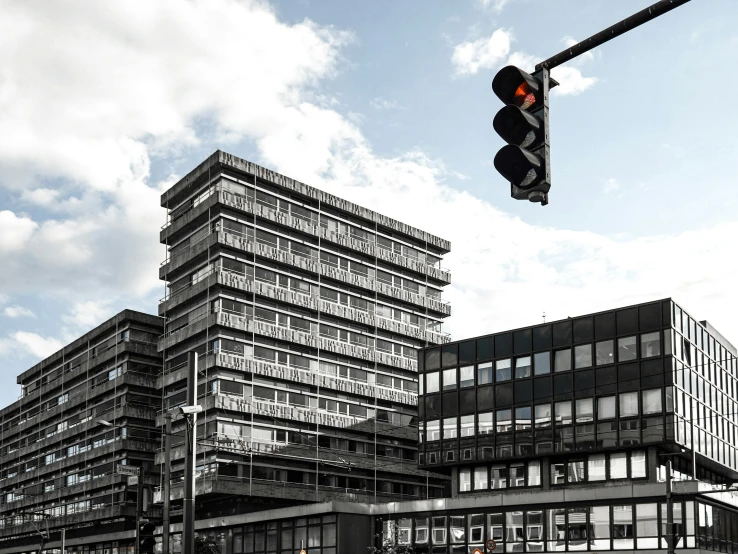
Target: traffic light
[
  {"x": 523, "y": 124},
  {"x": 146, "y": 539}
]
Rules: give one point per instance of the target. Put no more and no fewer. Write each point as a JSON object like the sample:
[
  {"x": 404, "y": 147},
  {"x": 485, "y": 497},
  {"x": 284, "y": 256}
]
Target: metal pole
[
  {"x": 167, "y": 482},
  {"x": 139, "y": 507},
  {"x": 63, "y": 541},
  {"x": 670, "y": 538},
  {"x": 627, "y": 24},
  {"x": 188, "y": 522}
]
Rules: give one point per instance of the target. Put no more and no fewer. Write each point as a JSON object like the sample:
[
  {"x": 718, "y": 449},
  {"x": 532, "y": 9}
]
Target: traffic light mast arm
[{"x": 627, "y": 24}]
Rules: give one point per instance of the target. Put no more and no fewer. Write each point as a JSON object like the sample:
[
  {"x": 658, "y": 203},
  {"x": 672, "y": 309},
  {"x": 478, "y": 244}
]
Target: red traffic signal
[{"x": 523, "y": 125}]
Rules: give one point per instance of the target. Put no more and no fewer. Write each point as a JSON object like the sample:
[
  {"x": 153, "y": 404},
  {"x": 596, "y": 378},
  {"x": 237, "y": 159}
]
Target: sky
[{"x": 104, "y": 105}]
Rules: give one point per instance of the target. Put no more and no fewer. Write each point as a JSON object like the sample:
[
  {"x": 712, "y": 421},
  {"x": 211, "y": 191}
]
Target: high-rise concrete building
[
  {"x": 83, "y": 414},
  {"x": 307, "y": 312}
]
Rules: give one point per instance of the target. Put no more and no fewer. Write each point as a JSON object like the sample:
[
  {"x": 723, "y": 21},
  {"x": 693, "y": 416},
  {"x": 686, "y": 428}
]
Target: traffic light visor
[
  {"x": 517, "y": 127},
  {"x": 522, "y": 168},
  {"x": 514, "y": 86}
]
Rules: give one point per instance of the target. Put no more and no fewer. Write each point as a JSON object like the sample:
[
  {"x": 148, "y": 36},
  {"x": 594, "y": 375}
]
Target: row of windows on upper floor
[
  {"x": 333, "y": 223},
  {"x": 329, "y": 293},
  {"x": 721, "y": 449},
  {"x": 585, "y": 329},
  {"x": 540, "y": 363},
  {"x": 722, "y": 374},
  {"x": 570, "y": 471},
  {"x": 261, "y": 438},
  {"x": 546, "y": 414}
]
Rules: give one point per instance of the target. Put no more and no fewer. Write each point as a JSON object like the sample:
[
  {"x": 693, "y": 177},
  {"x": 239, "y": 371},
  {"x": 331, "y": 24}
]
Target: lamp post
[{"x": 190, "y": 411}]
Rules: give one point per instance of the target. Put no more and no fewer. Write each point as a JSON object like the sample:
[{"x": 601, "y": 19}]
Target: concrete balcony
[
  {"x": 346, "y": 349},
  {"x": 412, "y": 298},
  {"x": 346, "y": 312},
  {"x": 183, "y": 258},
  {"x": 347, "y": 277},
  {"x": 275, "y": 292},
  {"x": 438, "y": 273}
]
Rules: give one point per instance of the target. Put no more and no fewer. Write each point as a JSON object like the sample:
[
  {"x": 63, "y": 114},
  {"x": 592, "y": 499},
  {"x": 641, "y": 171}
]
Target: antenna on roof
[{"x": 544, "y": 317}]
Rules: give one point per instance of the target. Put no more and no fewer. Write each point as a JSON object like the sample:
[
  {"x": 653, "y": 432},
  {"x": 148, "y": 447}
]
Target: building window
[
  {"x": 622, "y": 527},
  {"x": 647, "y": 529},
  {"x": 534, "y": 474},
  {"x": 434, "y": 430},
  {"x": 563, "y": 412},
  {"x": 619, "y": 465},
  {"x": 542, "y": 363},
  {"x": 498, "y": 477},
  {"x": 627, "y": 349},
  {"x": 558, "y": 473},
  {"x": 599, "y": 525},
  {"x": 582, "y": 356},
  {"x": 606, "y": 407},
  {"x": 543, "y": 415},
  {"x": 480, "y": 478},
  {"x": 449, "y": 379},
  {"x": 484, "y": 373},
  {"x": 651, "y": 401},
  {"x": 650, "y": 345},
  {"x": 466, "y": 376},
  {"x": 628, "y": 404},
  {"x": 575, "y": 472},
  {"x": 449, "y": 428},
  {"x": 504, "y": 421},
  {"x": 596, "y": 467},
  {"x": 604, "y": 352},
  {"x": 585, "y": 410},
  {"x": 421, "y": 530},
  {"x": 467, "y": 426},
  {"x": 439, "y": 530},
  {"x": 503, "y": 370},
  {"x": 638, "y": 464},
  {"x": 464, "y": 480},
  {"x": 522, "y": 418},
  {"x": 431, "y": 382},
  {"x": 562, "y": 360},
  {"x": 485, "y": 423},
  {"x": 522, "y": 367}
]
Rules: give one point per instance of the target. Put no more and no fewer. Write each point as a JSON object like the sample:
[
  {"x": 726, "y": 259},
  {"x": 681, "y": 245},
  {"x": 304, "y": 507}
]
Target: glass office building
[
  {"x": 307, "y": 312},
  {"x": 557, "y": 436}
]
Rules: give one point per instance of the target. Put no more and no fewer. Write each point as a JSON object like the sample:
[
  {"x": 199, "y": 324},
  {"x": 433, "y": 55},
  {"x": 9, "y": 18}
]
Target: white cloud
[
  {"x": 492, "y": 5},
  {"x": 41, "y": 197},
  {"x": 381, "y": 104},
  {"x": 88, "y": 314},
  {"x": 18, "y": 311},
  {"x": 571, "y": 81},
  {"x": 485, "y": 53},
  {"x": 611, "y": 185},
  {"x": 15, "y": 231},
  {"x": 35, "y": 344}
]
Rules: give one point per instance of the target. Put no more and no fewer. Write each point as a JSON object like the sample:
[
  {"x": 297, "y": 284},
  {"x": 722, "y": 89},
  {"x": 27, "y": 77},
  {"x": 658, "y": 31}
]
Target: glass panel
[
  {"x": 542, "y": 363},
  {"x": 449, "y": 379},
  {"x": 562, "y": 360},
  {"x": 514, "y": 527},
  {"x": 534, "y": 473},
  {"x": 585, "y": 410},
  {"x": 651, "y": 401},
  {"x": 466, "y": 376},
  {"x": 449, "y": 428},
  {"x": 605, "y": 352},
  {"x": 434, "y": 430},
  {"x": 628, "y": 404},
  {"x": 476, "y": 528},
  {"x": 431, "y": 382},
  {"x": 504, "y": 421},
  {"x": 496, "y": 529},
  {"x": 522, "y": 367},
  {"x": 467, "y": 426},
  {"x": 619, "y": 465},
  {"x": 627, "y": 349},
  {"x": 582, "y": 356},
  {"x": 638, "y": 464},
  {"x": 577, "y": 528},
  {"x": 563, "y": 412},
  {"x": 485, "y": 423},
  {"x": 543, "y": 415},
  {"x": 622, "y": 527},
  {"x": 498, "y": 477},
  {"x": 517, "y": 475},
  {"x": 464, "y": 480},
  {"x": 596, "y": 467},
  {"x": 606, "y": 407},
  {"x": 439, "y": 530},
  {"x": 480, "y": 478},
  {"x": 522, "y": 418},
  {"x": 484, "y": 373},
  {"x": 647, "y": 526},
  {"x": 575, "y": 472},
  {"x": 650, "y": 345},
  {"x": 556, "y": 534},
  {"x": 558, "y": 471},
  {"x": 599, "y": 524},
  {"x": 503, "y": 370},
  {"x": 534, "y": 530},
  {"x": 458, "y": 529},
  {"x": 421, "y": 530}
]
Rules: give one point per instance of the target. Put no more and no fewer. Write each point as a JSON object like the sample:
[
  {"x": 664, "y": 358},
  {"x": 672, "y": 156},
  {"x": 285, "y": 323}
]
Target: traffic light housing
[
  {"x": 523, "y": 124},
  {"x": 146, "y": 540}
]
